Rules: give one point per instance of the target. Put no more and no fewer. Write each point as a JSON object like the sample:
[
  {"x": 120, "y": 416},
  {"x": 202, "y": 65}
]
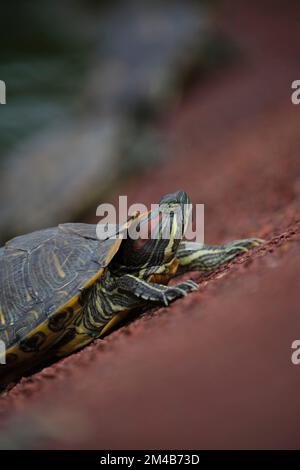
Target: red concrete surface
[{"x": 214, "y": 369}]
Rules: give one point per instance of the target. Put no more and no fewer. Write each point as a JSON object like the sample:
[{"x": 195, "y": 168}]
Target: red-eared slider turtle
[{"x": 63, "y": 287}]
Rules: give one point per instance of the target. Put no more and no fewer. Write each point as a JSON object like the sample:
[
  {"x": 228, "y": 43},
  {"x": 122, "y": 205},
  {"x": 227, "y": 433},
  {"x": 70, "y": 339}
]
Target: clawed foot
[{"x": 180, "y": 290}]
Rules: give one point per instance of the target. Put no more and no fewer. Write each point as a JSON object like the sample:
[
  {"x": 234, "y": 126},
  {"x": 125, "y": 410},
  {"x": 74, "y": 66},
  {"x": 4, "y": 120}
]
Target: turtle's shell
[{"x": 42, "y": 276}]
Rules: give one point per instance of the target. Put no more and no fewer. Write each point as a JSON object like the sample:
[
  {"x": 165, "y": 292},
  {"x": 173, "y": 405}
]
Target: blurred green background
[{"x": 87, "y": 85}]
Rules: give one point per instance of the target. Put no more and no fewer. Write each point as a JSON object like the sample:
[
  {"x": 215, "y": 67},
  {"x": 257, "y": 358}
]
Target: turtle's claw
[
  {"x": 165, "y": 300},
  {"x": 193, "y": 284},
  {"x": 179, "y": 290}
]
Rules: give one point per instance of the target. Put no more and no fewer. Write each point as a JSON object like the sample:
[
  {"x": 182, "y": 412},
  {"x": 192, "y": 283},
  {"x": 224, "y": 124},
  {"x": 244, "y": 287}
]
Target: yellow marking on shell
[
  {"x": 58, "y": 267},
  {"x": 108, "y": 258},
  {"x": 70, "y": 304},
  {"x": 114, "y": 249},
  {"x": 2, "y": 318},
  {"x": 93, "y": 279},
  {"x": 28, "y": 297},
  {"x": 77, "y": 342},
  {"x": 51, "y": 335},
  {"x": 82, "y": 338},
  {"x": 40, "y": 328},
  {"x": 35, "y": 313}
]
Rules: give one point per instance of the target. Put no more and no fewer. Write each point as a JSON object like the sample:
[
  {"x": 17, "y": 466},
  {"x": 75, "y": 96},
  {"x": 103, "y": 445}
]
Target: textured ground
[{"x": 213, "y": 370}]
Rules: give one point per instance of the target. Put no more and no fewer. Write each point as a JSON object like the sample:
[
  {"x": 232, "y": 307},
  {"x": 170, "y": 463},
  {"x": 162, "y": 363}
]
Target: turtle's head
[{"x": 154, "y": 236}]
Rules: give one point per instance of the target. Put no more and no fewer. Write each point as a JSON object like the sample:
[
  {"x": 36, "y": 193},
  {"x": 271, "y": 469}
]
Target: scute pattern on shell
[{"x": 42, "y": 271}]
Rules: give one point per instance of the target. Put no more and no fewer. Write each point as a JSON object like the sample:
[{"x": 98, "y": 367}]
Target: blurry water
[
  {"x": 44, "y": 55},
  {"x": 86, "y": 81}
]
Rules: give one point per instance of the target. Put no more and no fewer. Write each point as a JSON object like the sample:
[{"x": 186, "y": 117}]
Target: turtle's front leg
[
  {"x": 141, "y": 291},
  {"x": 130, "y": 292},
  {"x": 205, "y": 258}
]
